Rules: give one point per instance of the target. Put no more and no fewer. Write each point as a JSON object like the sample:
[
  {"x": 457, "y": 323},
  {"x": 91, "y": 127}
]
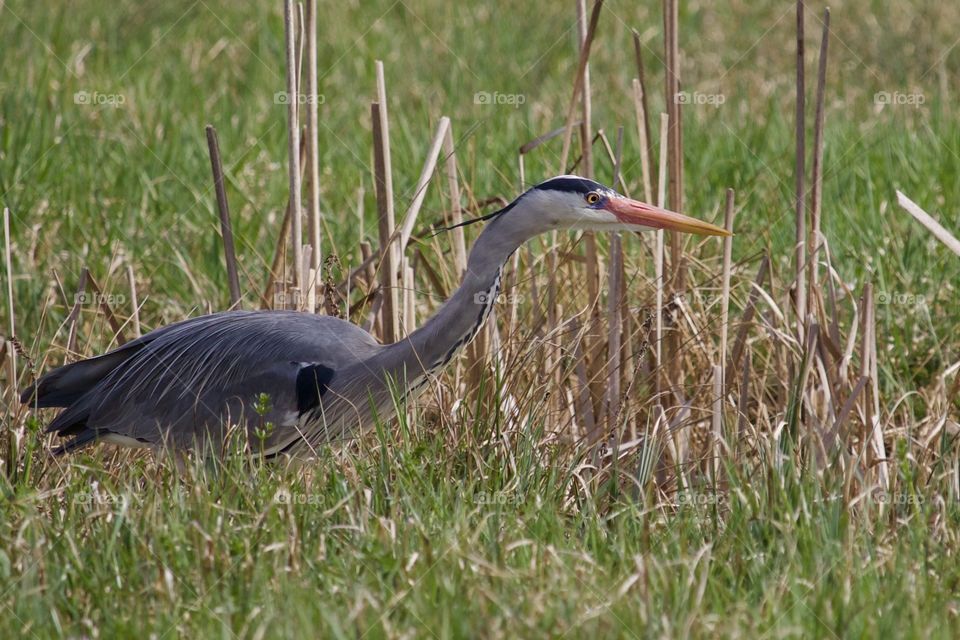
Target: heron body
[{"x": 324, "y": 379}]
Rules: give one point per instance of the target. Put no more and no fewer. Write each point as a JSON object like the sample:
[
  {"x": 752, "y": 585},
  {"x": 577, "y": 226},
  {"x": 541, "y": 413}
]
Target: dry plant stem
[
  {"x": 527, "y": 147},
  {"x": 456, "y": 213},
  {"x": 742, "y": 405},
  {"x": 11, "y": 313},
  {"x": 929, "y": 222},
  {"x": 716, "y": 422},
  {"x": 409, "y": 301},
  {"x": 420, "y": 191},
  {"x": 675, "y": 135},
  {"x": 578, "y": 83},
  {"x": 279, "y": 252},
  {"x": 876, "y": 432},
  {"x": 593, "y": 346},
  {"x": 309, "y": 282},
  {"x": 641, "y": 79},
  {"x": 313, "y": 148},
  {"x": 799, "y": 177},
  {"x": 387, "y": 162},
  {"x": 223, "y": 208},
  {"x": 293, "y": 142},
  {"x": 112, "y": 319},
  {"x": 658, "y": 255},
  {"x": 74, "y": 317},
  {"x": 134, "y": 301},
  {"x": 389, "y": 308},
  {"x": 642, "y": 133},
  {"x": 725, "y": 294},
  {"x": 586, "y": 125},
  {"x": 816, "y": 189},
  {"x": 614, "y": 318},
  {"x": 748, "y": 313}
]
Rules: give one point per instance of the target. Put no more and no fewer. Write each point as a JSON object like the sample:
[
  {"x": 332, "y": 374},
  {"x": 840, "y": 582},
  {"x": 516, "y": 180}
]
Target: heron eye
[{"x": 593, "y": 197}]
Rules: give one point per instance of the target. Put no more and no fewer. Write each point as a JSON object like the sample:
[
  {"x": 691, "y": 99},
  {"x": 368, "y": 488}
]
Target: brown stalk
[
  {"x": 641, "y": 79},
  {"x": 816, "y": 189},
  {"x": 800, "y": 214},
  {"x": 134, "y": 301},
  {"x": 11, "y": 314},
  {"x": 675, "y": 134},
  {"x": 112, "y": 319},
  {"x": 223, "y": 208},
  {"x": 614, "y": 319},
  {"x": 312, "y": 133},
  {"x": 387, "y": 270},
  {"x": 578, "y": 82},
  {"x": 293, "y": 141},
  {"x": 725, "y": 294},
  {"x": 74, "y": 317},
  {"x": 420, "y": 190}
]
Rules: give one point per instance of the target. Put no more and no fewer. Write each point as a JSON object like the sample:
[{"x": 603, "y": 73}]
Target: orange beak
[{"x": 640, "y": 213}]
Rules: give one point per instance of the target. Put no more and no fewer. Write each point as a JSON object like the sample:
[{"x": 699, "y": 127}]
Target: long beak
[{"x": 640, "y": 213}]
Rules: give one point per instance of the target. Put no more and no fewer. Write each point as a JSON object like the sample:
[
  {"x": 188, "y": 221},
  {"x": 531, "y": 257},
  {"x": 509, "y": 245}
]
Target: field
[{"x": 483, "y": 511}]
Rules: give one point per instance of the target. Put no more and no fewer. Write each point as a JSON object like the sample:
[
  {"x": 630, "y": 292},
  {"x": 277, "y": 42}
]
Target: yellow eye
[{"x": 593, "y": 197}]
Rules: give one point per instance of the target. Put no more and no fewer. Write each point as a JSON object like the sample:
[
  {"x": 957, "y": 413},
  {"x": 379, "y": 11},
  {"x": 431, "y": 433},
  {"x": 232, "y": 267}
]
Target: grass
[{"x": 475, "y": 523}]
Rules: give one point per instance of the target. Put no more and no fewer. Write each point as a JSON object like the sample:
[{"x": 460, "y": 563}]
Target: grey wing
[{"x": 187, "y": 382}]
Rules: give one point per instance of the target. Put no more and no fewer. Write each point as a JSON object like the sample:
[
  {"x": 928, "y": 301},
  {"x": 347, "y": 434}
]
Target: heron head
[{"x": 572, "y": 202}]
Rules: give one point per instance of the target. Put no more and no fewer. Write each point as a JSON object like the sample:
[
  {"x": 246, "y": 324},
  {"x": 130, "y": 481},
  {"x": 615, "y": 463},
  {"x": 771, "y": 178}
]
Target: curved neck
[{"x": 459, "y": 319}]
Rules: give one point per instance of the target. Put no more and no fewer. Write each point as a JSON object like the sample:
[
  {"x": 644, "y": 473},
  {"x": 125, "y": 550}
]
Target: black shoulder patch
[{"x": 312, "y": 382}]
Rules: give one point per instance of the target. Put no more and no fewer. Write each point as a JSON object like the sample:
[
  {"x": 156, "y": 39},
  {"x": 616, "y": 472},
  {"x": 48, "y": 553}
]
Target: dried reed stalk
[
  {"x": 578, "y": 82},
  {"x": 134, "y": 301},
  {"x": 658, "y": 252},
  {"x": 11, "y": 313},
  {"x": 800, "y": 214},
  {"x": 593, "y": 346},
  {"x": 115, "y": 325},
  {"x": 420, "y": 191},
  {"x": 816, "y": 189},
  {"x": 223, "y": 208},
  {"x": 716, "y": 421},
  {"x": 456, "y": 213},
  {"x": 388, "y": 267},
  {"x": 293, "y": 140},
  {"x": 614, "y": 317},
  {"x": 929, "y": 222},
  {"x": 74, "y": 318},
  {"x": 642, "y": 133},
  {"x": 725, "y": 294},
  {"x": 279, "y": 251},
  {"x": 313, "y": 147},
  {"x": 641, "y": 79},
  {"x": 675, "y": 134}
]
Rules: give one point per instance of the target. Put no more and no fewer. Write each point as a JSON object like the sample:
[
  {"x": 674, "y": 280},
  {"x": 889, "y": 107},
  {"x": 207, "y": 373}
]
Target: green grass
[
  {"x": 417, "y": 532},
  {"x": 419, "y": 538}
]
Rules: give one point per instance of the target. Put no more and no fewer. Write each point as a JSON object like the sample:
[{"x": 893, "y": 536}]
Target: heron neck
[{"x": 460, "y": 318}]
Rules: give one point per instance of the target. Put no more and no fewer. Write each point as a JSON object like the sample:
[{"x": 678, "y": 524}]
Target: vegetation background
[{"x": 413, "y": 532}]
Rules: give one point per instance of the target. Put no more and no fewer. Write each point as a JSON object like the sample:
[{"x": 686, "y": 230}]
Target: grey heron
[{"x": 324, "y": 379}]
